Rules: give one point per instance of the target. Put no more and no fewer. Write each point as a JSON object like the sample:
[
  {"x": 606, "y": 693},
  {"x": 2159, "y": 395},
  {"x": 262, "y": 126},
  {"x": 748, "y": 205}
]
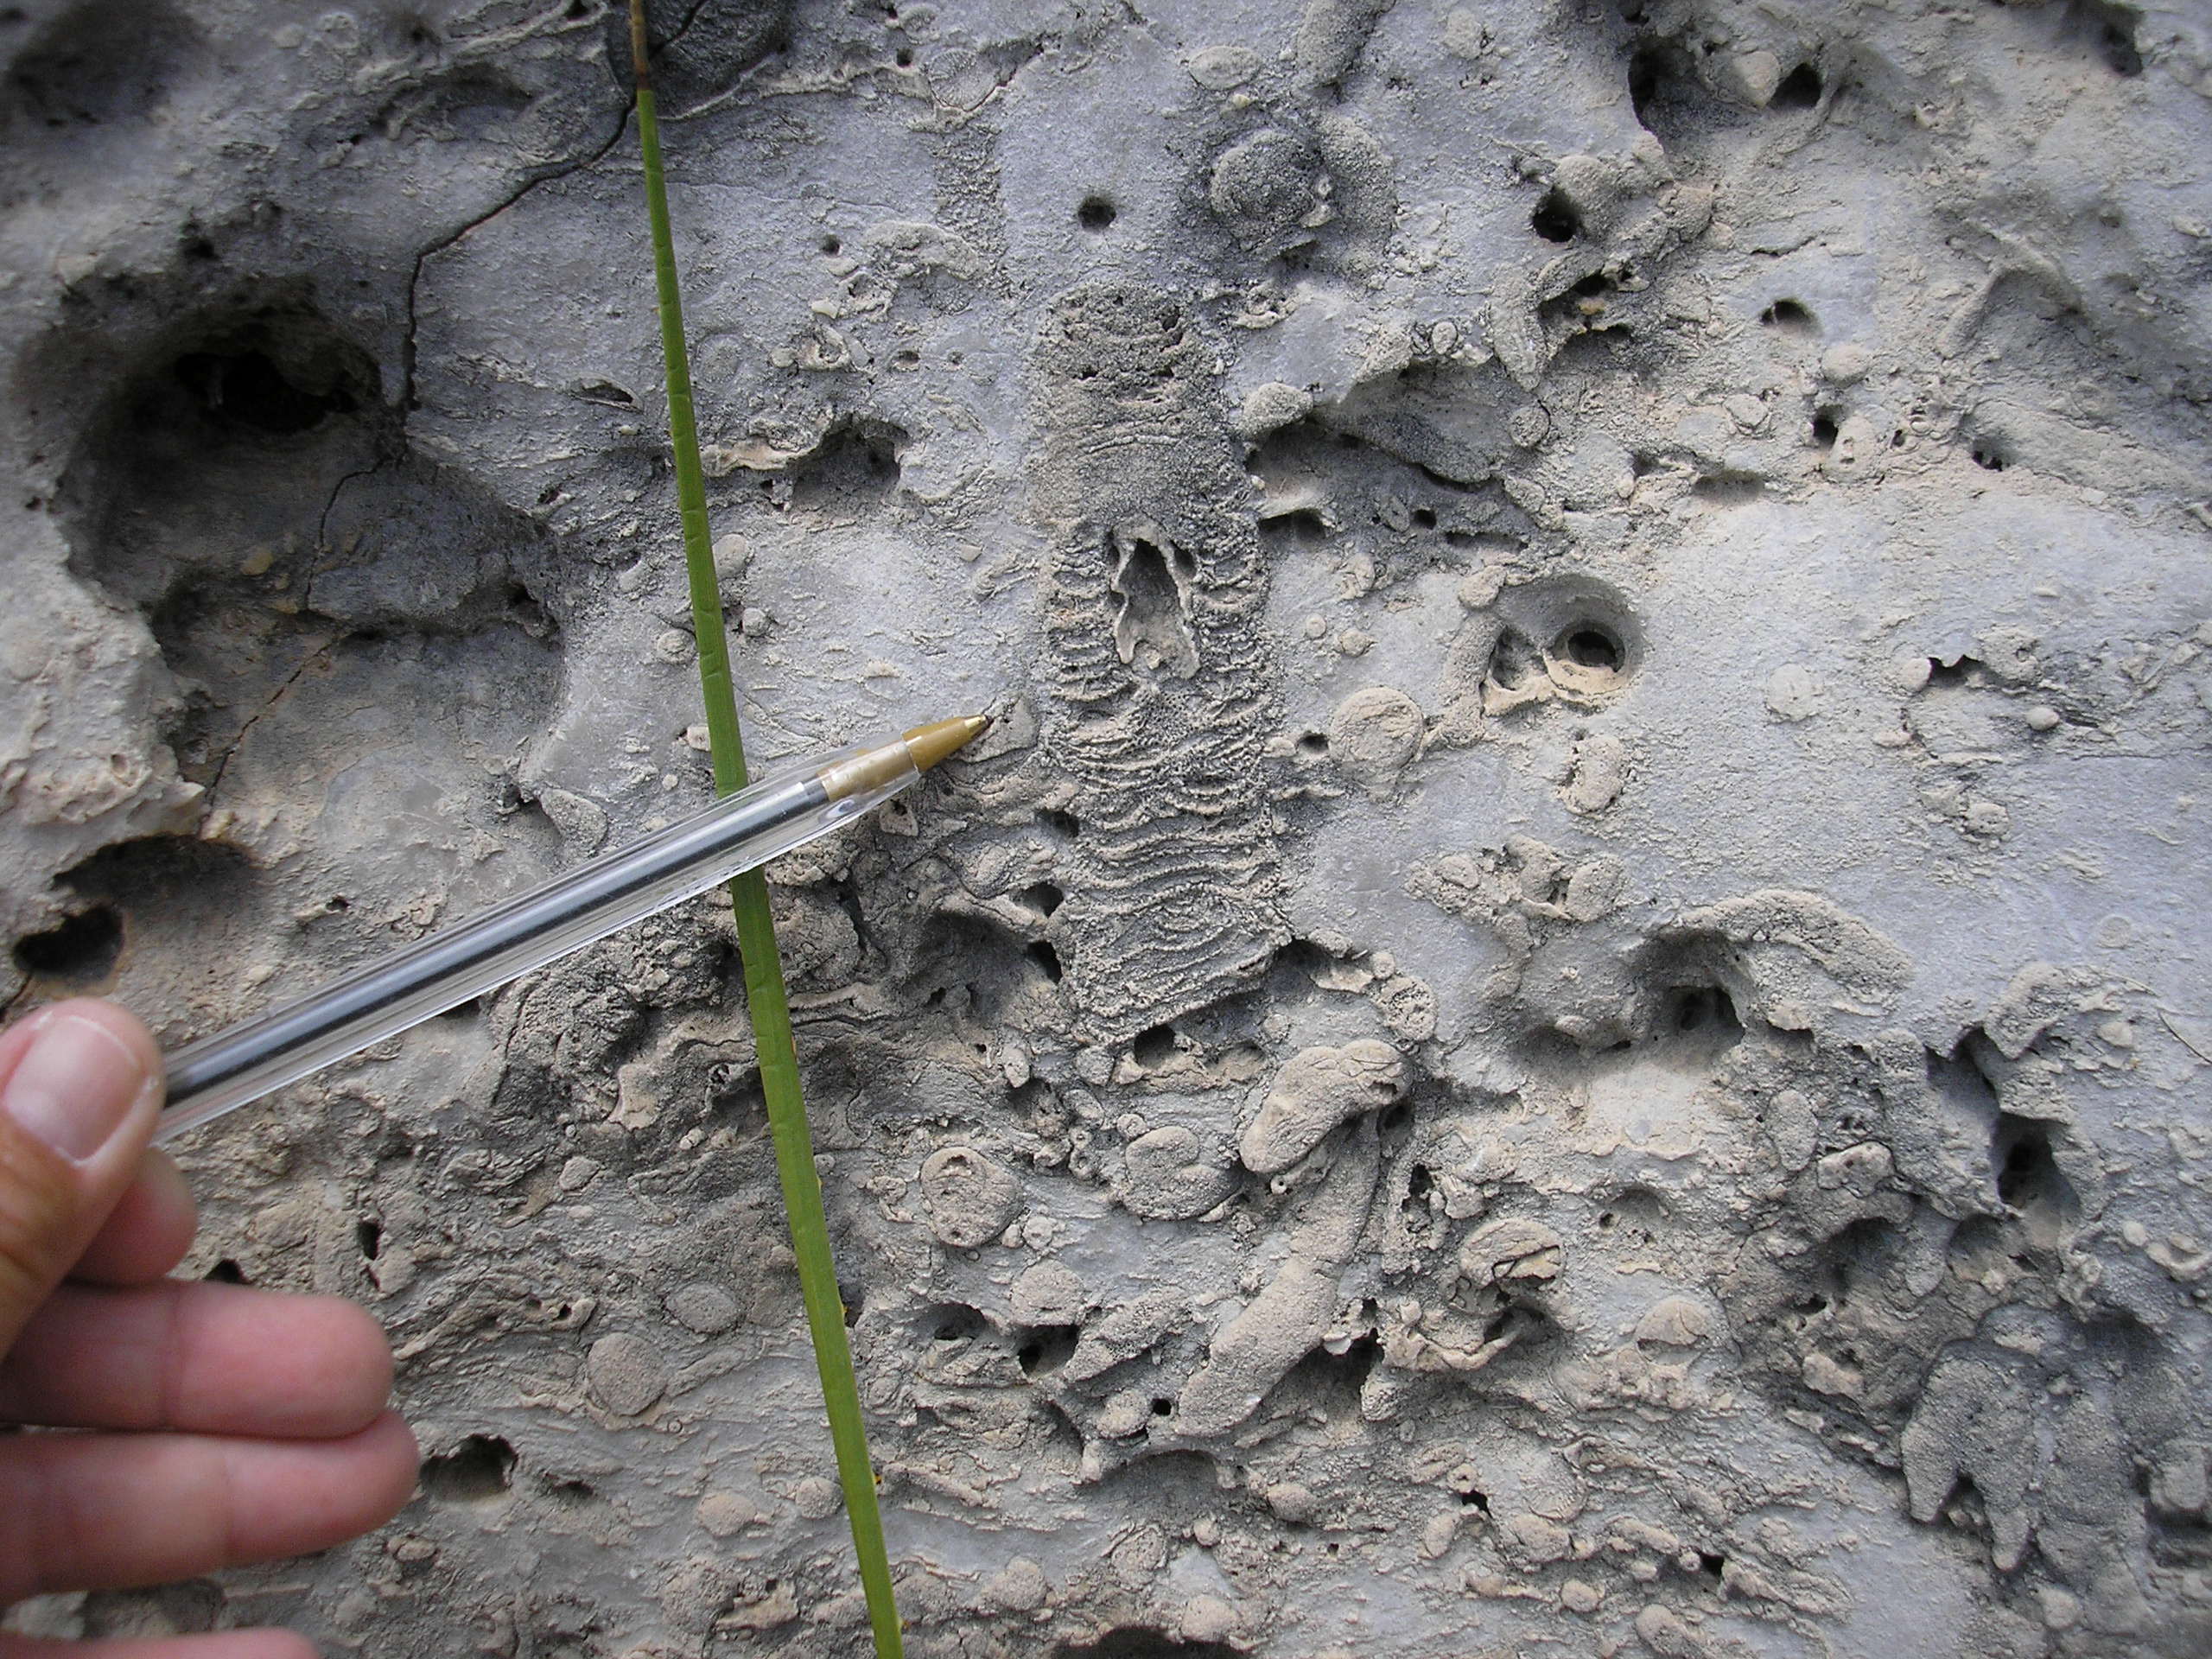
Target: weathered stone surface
[{"x": 1632, "y": 576}]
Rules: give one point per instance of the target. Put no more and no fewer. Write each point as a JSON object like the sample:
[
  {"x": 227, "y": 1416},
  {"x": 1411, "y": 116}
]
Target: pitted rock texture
[{"x": 1567, "y": 1010}]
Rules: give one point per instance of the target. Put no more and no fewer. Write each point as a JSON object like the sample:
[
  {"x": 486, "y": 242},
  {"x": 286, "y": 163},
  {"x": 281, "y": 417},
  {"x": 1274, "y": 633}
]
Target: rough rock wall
[{"x": 1568, "y": 1011}]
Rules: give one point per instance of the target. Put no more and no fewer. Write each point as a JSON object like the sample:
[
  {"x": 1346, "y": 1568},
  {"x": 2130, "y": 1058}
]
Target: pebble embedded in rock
[
  {"x": 1514, "y": 1249},
  {"x": 1169, "y": 1177},
  {"x": 1599, "y": 773},
  {"x": 1374, "y": 735},
  {"x": 626, "y": 1373},
  {"x": 1048, "y": 1294},
  {"x": 970, "y": 1198},
  {"x": 816, "y": 1498},
  {"x": 707, "y": 1309},
  {"x": 1674, "y": 1322},
  {"x": 1792, "y": 693},
  {"x": 1315, "y": 1091}
]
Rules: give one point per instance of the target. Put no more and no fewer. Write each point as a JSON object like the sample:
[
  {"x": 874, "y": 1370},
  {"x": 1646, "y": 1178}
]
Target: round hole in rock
[
  {"x": 1799, "y": 89},
  {"x": 1096, "y": 213},
  {"x": 1791, "y": 317},
  {"x": 1555, "y": 220},
  {"x": 1592, "y": 647},
  {"x": 246, "y": 389},
  {"x": 478, "y": 1470},
  {"x": 1153, "y": 1047}
]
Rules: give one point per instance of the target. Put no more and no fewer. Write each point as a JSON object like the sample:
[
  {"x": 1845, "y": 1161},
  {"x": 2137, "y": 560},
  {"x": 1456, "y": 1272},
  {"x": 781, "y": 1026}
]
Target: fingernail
[{"x": 74, "y": 1086}]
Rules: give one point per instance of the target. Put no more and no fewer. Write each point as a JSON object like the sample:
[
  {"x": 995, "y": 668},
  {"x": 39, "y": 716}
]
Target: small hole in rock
[
  {"x": 1162, "y": 1408},
  {"x": 1799, "y": 90},
  {"x": 1424, "y": 519},
  {"x": 956, "y": 1322},
  {"x": 227, "y": 1272},
  {"x": 1588, "y": 645},
  {"x": 478, "y": 1470},
  {"x": 1988, "y": 457},
  {"x": 1790, "y": 316},
  {"x": 1064, "y": 825},
  {"x": 1824, "y": 428},
  {"x": 1046, "y": 958},
  {"x": 1706, "y": 1012},
  {"x": 1313, "y": 743},
  {"x": 369, "y": 1236},
  {"x": 1045, "y": 1348},
  {"x": 1514, "y": 660},
  {"x": 1304, "y": 526},
  {"x": 1555, "y": 220},
  {"x": 2121, "y": 55},
  {"x": 245, "y": 389},
  {"x": 904, "y": 57},
  {"x": 1153, "y": 1047},
  {"x": 1096, "y": 213},
  {"x": 81, "y": 950},
  {"x": 831, "y": 245},
  {"x": 856, "y": 464},
  {"x": 1043, "y": 897}
]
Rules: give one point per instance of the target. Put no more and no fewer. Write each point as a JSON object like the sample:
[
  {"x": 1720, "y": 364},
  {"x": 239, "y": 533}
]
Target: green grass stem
[{"x": 756, "y": 932}]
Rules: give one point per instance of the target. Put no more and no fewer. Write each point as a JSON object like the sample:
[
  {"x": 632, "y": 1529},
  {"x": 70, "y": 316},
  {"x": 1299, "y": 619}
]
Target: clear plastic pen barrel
[{"x": 450, "y": 966}]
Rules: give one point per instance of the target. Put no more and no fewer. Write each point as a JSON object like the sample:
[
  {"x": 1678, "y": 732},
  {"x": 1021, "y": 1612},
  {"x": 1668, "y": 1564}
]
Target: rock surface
[{"x": 1639, "y": 567}]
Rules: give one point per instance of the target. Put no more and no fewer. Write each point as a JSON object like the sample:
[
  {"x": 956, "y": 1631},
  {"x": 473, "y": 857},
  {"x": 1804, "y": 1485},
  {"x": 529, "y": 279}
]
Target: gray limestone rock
[{"x": 1569, "y": 1008}]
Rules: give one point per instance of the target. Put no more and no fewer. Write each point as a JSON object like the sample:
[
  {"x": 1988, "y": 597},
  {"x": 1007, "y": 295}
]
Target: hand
[{"x": 228, "y": 1425}]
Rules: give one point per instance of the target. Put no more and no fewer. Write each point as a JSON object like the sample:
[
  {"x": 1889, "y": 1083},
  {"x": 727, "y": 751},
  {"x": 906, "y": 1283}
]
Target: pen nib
[{"x": 933, "y": 742}]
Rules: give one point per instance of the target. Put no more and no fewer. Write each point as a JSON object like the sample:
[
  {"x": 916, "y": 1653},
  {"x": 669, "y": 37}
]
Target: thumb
[{"x": 80, "y": 1090}]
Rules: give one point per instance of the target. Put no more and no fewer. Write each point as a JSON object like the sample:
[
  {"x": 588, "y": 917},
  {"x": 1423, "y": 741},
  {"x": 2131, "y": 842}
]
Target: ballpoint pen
[{"x": 446, "y": 968}]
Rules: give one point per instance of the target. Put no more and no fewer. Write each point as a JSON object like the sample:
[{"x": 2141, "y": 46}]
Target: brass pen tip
[{"x": 933, "y": 742}]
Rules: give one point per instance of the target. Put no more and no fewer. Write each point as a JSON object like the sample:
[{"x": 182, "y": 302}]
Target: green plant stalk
[{"x": 756, "y": 931}]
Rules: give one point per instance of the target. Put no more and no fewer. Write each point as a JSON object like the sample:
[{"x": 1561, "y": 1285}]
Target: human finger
[
  {"x": 220, "y": 1644},
  {"x": 80, "y": 1090},
  {"x": 106, "y": 1511},
  {"x": 204, "y": 1358},
  {"x": 148, "y": 1231}
]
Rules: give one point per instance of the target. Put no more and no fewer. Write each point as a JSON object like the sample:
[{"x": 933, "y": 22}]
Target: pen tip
[{"x": 933, "y": 742}]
